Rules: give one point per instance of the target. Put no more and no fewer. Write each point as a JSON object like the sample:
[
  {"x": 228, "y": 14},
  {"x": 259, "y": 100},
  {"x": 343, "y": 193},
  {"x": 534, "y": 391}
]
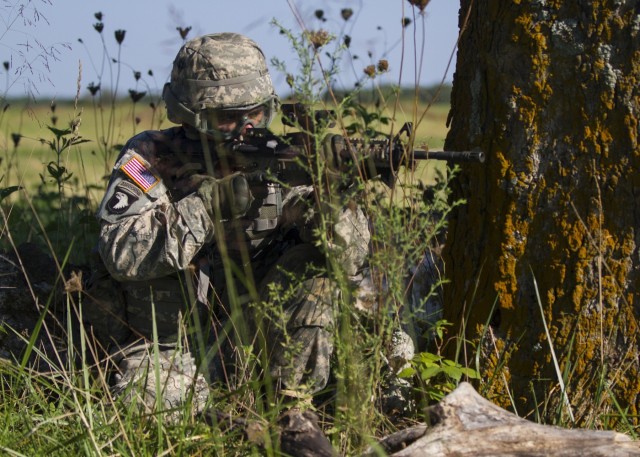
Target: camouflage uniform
[
  {"x": 151, "y": 237},
  {"x": 163, "y": 246}
]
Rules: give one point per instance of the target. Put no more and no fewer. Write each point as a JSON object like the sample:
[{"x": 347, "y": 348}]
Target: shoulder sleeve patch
[
  {"x": 135, "y": 169},
  {"x": 125, "y": 195}
]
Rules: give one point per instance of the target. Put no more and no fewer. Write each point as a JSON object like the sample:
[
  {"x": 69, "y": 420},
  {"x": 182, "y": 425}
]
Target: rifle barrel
[{"x": 475, "y": 155}]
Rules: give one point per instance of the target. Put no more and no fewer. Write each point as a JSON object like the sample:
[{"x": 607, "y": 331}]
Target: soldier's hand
[
  {"x": 188, "y": 177},
  {"x": 225, "y": 198}
]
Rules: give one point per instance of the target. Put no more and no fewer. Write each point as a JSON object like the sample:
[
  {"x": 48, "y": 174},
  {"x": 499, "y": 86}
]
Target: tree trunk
[{"x": 549, "y": 90}]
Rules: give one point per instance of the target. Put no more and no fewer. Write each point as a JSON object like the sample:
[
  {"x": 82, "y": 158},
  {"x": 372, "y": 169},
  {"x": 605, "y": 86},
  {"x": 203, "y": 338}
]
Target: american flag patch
[{"x": 136, "y": 170}]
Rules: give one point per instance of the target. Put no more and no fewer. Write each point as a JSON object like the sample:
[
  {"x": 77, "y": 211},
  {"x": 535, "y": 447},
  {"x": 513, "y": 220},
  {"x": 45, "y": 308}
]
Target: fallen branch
[{"x": 465, "y": 424}]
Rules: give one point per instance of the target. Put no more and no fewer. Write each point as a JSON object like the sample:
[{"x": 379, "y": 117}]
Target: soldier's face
[{"x": 228, "y": 121}]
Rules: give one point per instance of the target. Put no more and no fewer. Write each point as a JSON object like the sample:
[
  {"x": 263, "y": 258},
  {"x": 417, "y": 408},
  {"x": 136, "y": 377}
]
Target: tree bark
[{"x": 549, "y": 90}]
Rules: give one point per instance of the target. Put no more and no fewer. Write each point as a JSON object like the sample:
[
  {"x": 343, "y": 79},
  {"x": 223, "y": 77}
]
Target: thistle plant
[{"x": 105, "y": 94}]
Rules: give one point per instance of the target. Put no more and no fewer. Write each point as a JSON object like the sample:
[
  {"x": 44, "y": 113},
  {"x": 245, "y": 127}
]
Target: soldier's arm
[
  {"x": 348, "y": 242},
  {"x": 143, "y": 234}
]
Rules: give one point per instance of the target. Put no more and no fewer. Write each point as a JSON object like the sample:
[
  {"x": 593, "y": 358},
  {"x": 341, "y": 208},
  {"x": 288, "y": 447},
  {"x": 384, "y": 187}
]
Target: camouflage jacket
[{"x": 153, "y": 224}]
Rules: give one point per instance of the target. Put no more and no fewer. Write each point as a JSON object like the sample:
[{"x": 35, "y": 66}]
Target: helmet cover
[{"x": 222, "y": 71}]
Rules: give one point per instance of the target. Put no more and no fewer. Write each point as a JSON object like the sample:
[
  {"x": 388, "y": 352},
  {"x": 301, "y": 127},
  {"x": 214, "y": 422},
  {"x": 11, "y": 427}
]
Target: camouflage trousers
[
  {"x": 299, "y": 324},
  {"x": 160, "y": 378},
  {"x": 292, "y": 324}
]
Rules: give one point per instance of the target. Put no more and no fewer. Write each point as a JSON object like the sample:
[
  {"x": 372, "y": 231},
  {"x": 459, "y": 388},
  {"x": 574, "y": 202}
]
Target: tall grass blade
[
  {"x": 553, "y": 352},
  {"x": 156, "y": 368},
  {"x": 623, "y": 414}
]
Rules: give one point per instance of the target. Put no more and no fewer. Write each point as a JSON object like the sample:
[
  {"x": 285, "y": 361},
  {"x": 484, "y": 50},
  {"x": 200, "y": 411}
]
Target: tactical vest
[{"x": 251, "y": 239}]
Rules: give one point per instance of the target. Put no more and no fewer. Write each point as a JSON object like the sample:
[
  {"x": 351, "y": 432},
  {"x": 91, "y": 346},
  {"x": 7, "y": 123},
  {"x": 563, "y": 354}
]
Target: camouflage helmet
[{"x": 221, "y": 71}]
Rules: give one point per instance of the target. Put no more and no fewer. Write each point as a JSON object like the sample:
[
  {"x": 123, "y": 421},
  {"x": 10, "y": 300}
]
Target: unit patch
[
  {"x": 125, "y": 195},
  {"x": 140, "y": 174}
]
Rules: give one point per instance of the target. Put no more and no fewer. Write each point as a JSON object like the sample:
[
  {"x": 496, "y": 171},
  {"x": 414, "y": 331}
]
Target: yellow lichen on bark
[{"x": 552, "y": 98}]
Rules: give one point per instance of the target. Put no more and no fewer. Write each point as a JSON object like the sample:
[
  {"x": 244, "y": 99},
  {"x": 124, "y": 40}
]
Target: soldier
[{"x": 188, "y": 235}]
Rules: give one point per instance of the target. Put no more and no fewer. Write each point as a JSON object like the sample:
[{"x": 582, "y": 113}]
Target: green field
[{"x": 91, "y": 162}]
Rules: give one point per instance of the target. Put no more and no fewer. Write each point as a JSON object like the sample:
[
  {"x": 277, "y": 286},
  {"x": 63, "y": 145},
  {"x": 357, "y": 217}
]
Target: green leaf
[
  {"x": 67, "y": 177},
  {"x": 453, "y": 372},
  {"x": 55, "y": 170},
  {"x": 5, "y": 192},
  {"x": 407, "y": 372},
  {"x": 428, "y": 358},
  {"x": 430, "y": 372},
  {"x": 470, "y": 373},
  {"x": 59, "y": 133},
  {"x": 435, "y": 394}
]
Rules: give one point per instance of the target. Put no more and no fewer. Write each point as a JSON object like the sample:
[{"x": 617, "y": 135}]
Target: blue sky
[{"x": 41, "y": 40}]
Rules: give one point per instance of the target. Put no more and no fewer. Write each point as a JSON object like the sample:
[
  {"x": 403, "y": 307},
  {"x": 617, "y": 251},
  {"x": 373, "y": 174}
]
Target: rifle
[{"x": 296, "y": 153}]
